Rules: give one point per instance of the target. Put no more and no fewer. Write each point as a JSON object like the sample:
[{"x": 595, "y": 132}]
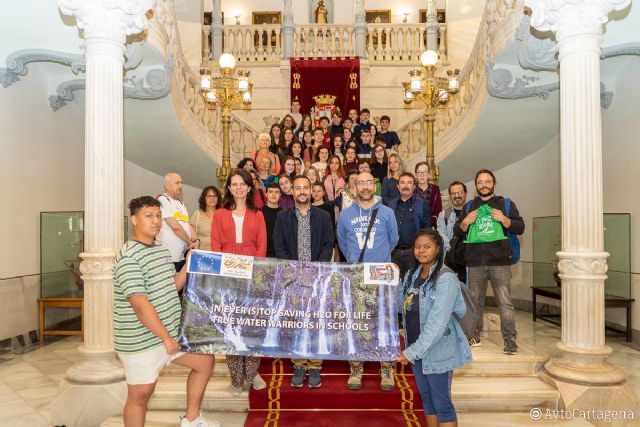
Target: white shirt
[
  {"x": 238, "y": 220},
  {"x": 173, "y": 208}
]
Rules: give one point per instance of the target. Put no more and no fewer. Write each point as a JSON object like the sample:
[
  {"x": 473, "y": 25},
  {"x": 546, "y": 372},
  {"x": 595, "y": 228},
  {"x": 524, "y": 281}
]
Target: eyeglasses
[
  {"x": 367, "y": 182},
  {"x": 422, "y": 173},
  {"x": 457, "y": 193}
]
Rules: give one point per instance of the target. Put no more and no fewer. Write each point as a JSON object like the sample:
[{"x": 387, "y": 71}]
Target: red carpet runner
[{"x": 333, "y": 405}]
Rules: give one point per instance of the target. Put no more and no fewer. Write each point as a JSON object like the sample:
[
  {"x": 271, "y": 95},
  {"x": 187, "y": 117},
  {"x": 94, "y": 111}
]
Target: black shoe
[
  {"x": 510, "y": 346},
  {"x": 314, "y": 378},
  {"x": 298, "y": 377}
]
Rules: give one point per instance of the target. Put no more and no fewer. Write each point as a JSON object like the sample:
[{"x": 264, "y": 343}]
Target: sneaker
[
  {"x": 355, "y": 378},
  {"x": 298, "y": 377},
  {"x": 198, "y": 422},
  {"x": 510, "y": 346},
  {"x": 258, "y": 383},
  {"x": 236, "y": 391},
  {"x": 474, "y": 343},
  {"x": 314, "y": 378},
  {"x": 387, "y": 382}
]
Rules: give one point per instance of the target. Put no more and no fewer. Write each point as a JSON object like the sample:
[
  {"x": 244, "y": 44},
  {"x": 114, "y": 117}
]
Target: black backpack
[{"x": 454, "y": 259}]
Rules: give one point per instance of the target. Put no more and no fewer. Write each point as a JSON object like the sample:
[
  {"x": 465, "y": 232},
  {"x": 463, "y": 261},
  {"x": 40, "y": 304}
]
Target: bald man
[{"x": 175, "y": 233}]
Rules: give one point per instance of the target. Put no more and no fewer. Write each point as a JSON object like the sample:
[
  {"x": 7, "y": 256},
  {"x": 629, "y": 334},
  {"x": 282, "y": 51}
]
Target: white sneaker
[
  {"x": 259, "y": 383},
  {"x": 198, "y": 422},
  {"x": 236, "y": 391}
]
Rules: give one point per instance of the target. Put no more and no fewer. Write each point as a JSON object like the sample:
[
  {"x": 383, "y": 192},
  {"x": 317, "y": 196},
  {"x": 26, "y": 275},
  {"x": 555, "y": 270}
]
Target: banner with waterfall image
[{"x": 277, "y": 308}]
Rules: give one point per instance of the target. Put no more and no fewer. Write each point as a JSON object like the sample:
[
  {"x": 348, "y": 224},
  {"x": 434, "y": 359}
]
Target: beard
[
  {"x": 484, "y": 191},
  {"x": 457, "y": 203}
]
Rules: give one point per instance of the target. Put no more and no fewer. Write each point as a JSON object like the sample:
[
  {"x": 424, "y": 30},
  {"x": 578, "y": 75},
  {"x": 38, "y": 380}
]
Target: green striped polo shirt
[{"x": 143, "y": 270}]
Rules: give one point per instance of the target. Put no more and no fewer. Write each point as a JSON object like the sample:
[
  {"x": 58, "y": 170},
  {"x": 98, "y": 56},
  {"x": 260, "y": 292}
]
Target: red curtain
[{"x": 337, "y": 77}]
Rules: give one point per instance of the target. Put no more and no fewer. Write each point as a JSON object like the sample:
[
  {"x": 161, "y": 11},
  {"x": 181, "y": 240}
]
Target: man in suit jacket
[{"x": 304, "y": 232}]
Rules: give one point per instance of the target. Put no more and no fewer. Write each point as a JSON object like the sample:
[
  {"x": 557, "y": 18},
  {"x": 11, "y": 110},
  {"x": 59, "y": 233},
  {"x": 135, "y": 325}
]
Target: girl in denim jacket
[{"x": 435, "y": 343}]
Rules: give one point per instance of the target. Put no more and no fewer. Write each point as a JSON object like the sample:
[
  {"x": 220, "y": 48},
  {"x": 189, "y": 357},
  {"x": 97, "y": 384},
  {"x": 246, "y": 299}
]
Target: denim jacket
[{"x": 442, "y": 345}]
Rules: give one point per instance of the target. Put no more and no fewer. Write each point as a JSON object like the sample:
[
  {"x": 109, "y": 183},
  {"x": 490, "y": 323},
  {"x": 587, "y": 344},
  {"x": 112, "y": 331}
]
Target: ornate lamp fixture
[
  {"x": 225, "y": 91},
  {"x": 433, "y": 91}
]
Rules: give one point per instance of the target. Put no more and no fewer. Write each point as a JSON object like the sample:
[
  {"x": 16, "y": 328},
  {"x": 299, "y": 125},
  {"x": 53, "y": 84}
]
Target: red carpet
[{"x": 332, "y": 405}]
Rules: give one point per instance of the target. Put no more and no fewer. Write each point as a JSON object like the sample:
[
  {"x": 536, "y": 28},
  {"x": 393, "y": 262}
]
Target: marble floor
[{"x": 28, "y": 379}]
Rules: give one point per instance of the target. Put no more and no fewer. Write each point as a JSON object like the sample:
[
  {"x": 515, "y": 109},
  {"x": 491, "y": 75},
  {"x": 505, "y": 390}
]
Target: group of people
[{"x": 336, "y": 195}]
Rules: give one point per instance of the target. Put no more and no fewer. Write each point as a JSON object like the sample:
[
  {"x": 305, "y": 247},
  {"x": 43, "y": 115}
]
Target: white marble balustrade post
[
  {"x": 361, "y": 30},
  {"x": 288, "y": 30},
  {"x": 94, "y": 387},
  {"x": 217, "y": 29},
  {"x": 432, "y": 26},
  {"x": 582, "y": 374}
]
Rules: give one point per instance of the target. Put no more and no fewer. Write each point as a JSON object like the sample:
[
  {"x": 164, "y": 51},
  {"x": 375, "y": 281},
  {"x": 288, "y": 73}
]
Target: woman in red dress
[{"x": 239, "y": 228}]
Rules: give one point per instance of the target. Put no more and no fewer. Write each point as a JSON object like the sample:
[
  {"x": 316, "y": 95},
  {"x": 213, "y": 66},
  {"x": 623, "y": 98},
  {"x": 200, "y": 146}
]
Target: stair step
[
  {"x": 172, "y": 419},
  {"x": 476, "y": 419},
  {"x": 171, "y": 395},
  {"x": 490, "y": 361},
  {"x": 516, "y": 394}
]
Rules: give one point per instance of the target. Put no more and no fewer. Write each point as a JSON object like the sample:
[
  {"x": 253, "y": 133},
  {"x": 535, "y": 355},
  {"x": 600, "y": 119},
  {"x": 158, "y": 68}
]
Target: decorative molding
[
  {"x": 154, "y": 85},
  {"x": 621, "y": 49},
  {"x": 499, "y": 85},
  {"x": 64, "y": 93},
  {"x": 17, "y": 63},
  {"x": 110, "y": 19},
  {"x": 536, "y": 51},
  {"x": 606, "y": 98},
  {"x": 572, "y": 17},
  {"x": 580, "y": 264}
]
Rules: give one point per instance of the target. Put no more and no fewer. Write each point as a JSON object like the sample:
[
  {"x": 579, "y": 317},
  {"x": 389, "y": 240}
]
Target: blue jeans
[{"x": 435, "y": 392}]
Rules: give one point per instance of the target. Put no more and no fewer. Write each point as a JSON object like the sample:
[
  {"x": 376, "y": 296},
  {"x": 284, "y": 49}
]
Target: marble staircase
[{"x": 506, "y": 386}]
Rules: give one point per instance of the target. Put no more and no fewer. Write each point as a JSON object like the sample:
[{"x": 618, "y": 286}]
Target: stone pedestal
[
  {"x": 94, "y": 388},
  {"x": 582, "y": 374}
]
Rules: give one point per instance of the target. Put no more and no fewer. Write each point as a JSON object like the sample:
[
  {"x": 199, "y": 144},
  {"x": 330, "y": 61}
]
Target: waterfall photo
[{"x": 291, "y": 309}]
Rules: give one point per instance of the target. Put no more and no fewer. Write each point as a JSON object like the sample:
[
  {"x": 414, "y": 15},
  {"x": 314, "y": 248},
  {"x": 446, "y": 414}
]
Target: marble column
[
  {"x": 582, "y": 374},
  {"x": 432, "y": 26},
  {"x": 288, "y": 30},
  {"x": 217, "y": 30},
  {"x": 94, "y": 387},
  {"x": 361, "y": 30}
]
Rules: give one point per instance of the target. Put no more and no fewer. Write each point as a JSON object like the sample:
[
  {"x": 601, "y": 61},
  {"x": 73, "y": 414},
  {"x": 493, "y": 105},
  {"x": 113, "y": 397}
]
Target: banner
[
  {"x": 339, "y": 77},
  {"x": 242, "y": 305}
]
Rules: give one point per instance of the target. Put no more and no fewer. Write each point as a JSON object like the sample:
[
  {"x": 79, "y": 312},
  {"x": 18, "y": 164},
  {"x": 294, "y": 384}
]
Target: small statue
[{"x": 321, "y": 13}]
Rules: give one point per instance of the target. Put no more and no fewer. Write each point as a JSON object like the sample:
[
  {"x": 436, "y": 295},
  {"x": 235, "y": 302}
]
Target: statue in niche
[{"x": 321, "y": 13}]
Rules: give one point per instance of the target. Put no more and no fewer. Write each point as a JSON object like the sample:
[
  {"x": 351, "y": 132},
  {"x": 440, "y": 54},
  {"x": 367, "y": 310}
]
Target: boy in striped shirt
[{"x": 146, "y": 319}]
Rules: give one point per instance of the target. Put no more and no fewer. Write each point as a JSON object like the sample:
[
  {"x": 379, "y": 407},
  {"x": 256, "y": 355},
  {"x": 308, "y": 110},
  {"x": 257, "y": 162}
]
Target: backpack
[
  {"x": 454, "y": 259},
  {"x": 447, "y": 214},
  {"x": 468, "y": 321},
  {"x": 513, "y": 239}
]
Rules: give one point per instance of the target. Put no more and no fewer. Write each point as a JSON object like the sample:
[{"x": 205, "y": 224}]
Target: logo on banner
[
  {"x": 381, "y": 274},
  {"x": 221, "y": 264},
  {"x": 296, "y": 81}
]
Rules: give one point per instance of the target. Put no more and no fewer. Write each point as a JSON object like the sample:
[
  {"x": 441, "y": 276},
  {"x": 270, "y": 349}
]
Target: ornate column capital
[
  {"x": 572, "y": 17},
  {"x": 110, "y": 19}
]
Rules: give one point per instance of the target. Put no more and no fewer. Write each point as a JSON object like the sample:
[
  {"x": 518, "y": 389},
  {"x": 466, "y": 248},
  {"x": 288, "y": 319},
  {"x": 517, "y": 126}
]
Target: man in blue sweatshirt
[{"x": 352, "y": 232}]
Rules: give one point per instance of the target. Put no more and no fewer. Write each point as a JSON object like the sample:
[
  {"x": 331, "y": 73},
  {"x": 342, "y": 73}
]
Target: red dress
[{"x": 254, "y": 233}]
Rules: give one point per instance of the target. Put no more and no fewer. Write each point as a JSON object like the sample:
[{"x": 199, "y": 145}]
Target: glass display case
[
  {"x": 617, "y": 241},
  {"x": 61, "y": 242}
]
